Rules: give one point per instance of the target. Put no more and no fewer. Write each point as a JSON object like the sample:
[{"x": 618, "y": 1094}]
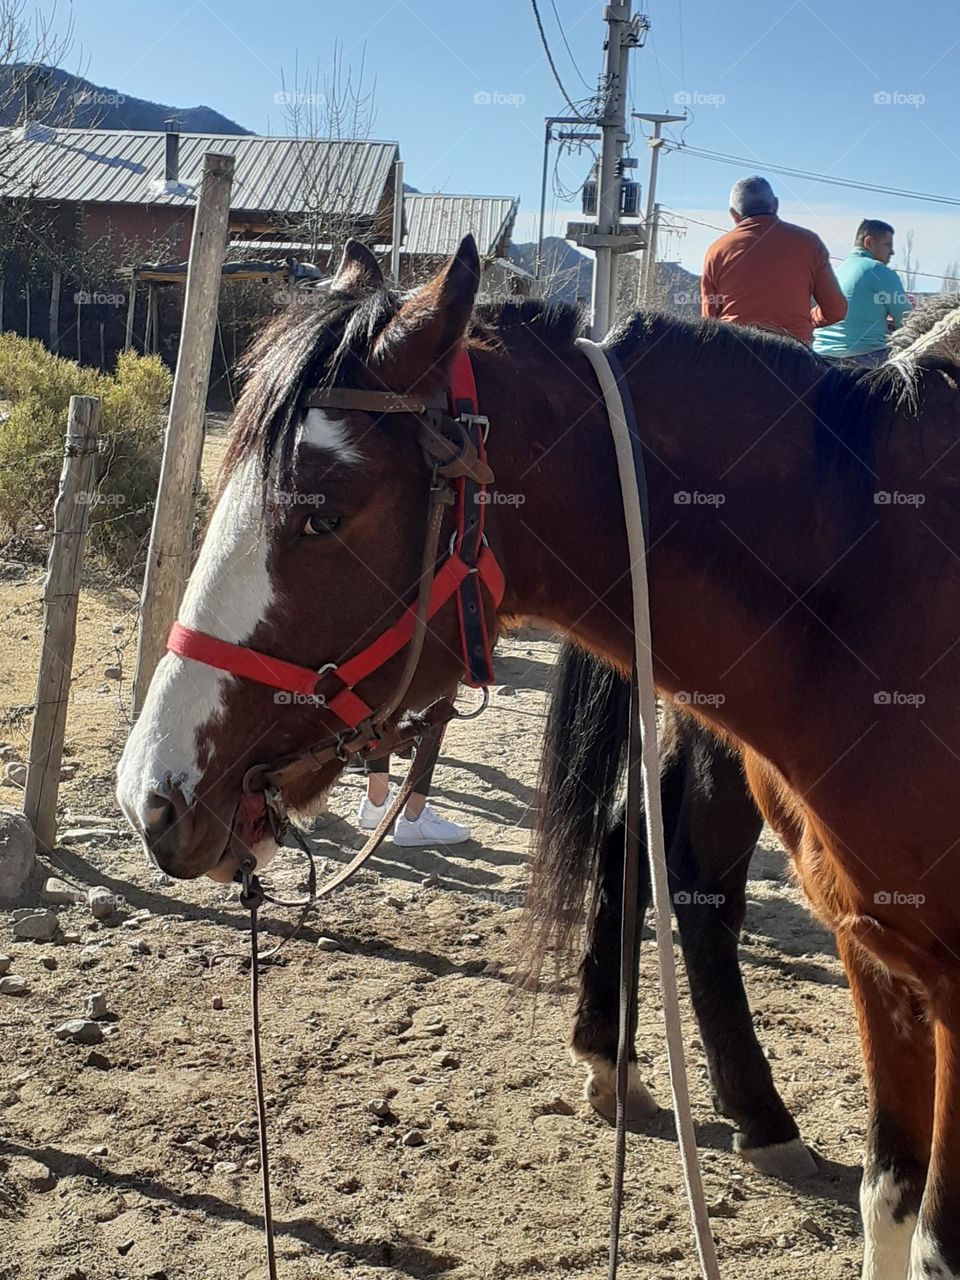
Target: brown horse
[{"x": 804, "y": 593}]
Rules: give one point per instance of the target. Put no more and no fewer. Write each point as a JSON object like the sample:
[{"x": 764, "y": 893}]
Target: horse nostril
[{"x": 159, "y": 815}]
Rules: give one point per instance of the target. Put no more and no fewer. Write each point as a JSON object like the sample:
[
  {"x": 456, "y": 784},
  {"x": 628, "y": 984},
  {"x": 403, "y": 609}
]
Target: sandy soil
[{"x": 150, "y": 1149}]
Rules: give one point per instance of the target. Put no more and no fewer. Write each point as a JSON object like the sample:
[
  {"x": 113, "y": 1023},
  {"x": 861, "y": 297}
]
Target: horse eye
[{"x": 319, "y": 526}]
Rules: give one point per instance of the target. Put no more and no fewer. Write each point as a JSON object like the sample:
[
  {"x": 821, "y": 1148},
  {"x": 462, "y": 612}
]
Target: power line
[
  {"x": 566, "y": 43},
  {"x": 553, "y": 65},
  {"x": 702, "y": 154}
]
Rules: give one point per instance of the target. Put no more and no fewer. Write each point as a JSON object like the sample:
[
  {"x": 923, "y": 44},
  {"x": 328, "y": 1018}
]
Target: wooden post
[
  {"x": 148, "y": 319},
  {"x": 171, "y": 538},
  {"x": 131, "y": 310},
  {"x": 61, "y": 590}
]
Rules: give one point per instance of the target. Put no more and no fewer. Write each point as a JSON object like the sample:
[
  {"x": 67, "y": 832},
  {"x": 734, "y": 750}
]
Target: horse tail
[{"x": 580, "y": 771}]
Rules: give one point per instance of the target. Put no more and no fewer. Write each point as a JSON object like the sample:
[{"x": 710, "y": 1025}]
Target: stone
[
  {"x": 445, "y": 1059},
  {"x": 39, "y": 926},
  {"x": 68, "y": 770},
  {"x": 379, "y": 1107},
  {"x": 97, "y": 1061},
  {"x": 96, "y": 1006},
  {"x": 103, "y": 902},
  {"x": 431, "y": 881},
  {"x": 100, "y": 1150},
  {"x": 37, "y": 1176},
  {"x": 217, "y": 1002},
  {"x": 15, "y": 774},
  {"x": 329, "y": 944},
  {"x": 88, "y": 835},
  {"x": 79, "y": 1031},
  {"x": 225, "y": 1166},
  {"x": 61, "y": 894},
  {"x": 113, "y": 673},
  {"x": 18, "y": 848},
  {"x": 506, "y": 691},
  {"x": 13, "y": 986},
  {"x": 5, "y": 963},
  {"x": 48, "y": 963},
  {"x": 413, "y": 1138}
]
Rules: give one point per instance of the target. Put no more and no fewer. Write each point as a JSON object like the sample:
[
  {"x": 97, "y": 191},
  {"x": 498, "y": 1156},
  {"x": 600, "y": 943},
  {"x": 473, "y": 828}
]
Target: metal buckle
[
  {"x": 476, "y": 420},
  {"x": 319, "y": 699}
]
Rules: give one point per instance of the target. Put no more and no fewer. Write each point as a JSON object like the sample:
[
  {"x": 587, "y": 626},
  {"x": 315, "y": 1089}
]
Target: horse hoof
[
  {"x": 786, "y": 1160},
  {"x": 600, "y": 1091}
]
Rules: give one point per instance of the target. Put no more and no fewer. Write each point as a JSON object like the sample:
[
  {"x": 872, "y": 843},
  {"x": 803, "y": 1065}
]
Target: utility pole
[
  {"x": 623, "y": 34},
  {"x": 548, "y": 137},
  {"x": 649, "y": 222}
]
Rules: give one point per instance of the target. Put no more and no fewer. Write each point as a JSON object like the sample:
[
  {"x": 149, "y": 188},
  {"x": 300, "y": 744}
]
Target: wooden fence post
[
  {"x": 171, "y": 538},
  {"x": 61, "y": 590}
]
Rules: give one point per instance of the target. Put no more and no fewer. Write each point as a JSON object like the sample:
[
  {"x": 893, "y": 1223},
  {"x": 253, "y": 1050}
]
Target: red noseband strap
[{"x": 333, "y": 686}]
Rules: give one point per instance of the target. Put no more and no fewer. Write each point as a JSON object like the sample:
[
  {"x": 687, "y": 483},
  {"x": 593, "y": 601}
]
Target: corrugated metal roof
[
  {"x": 276, "y": 175},
  {"x": 437, "y": 224}
]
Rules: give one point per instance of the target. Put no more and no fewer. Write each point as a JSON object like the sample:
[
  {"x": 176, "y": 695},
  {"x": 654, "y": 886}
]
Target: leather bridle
[{"x": 452, "y": 435}]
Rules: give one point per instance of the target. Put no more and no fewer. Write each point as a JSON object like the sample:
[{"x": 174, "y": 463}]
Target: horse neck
[{"x": 725, "y": 572}]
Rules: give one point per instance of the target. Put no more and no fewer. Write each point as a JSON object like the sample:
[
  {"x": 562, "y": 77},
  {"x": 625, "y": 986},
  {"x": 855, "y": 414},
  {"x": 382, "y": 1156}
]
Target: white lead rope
[{"x": 656, "y": 850}]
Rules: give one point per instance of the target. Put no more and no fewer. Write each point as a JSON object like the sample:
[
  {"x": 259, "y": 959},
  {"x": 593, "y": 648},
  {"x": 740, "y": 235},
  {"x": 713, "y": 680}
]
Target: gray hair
[{"x": 751, "y": 196}]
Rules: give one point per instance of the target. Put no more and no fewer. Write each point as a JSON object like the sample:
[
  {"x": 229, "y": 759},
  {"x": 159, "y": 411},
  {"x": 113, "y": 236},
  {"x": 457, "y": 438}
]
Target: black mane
[{"x": 329, "y": 335}]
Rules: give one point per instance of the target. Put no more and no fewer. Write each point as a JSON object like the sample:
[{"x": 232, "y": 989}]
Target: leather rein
[{"x": 452, "y": 436}]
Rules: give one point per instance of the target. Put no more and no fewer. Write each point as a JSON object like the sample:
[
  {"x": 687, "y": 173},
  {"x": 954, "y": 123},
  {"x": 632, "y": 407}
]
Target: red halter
[{"x": 469, "y": 560}]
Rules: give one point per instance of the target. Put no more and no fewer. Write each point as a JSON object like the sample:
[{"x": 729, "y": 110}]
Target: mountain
[
  {"x": 569, "y": 271},
  {"x": 57, "y": 98}
]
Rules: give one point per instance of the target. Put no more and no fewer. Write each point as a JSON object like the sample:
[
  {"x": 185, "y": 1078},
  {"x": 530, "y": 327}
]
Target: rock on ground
[{"x": 18, "y": 848}]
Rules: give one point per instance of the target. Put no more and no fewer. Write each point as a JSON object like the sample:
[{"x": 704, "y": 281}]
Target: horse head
[{"x": 314, "y": 547}]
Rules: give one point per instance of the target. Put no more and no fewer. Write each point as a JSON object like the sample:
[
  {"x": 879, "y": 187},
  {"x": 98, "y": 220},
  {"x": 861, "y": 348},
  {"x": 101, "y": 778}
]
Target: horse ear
[
  {"x": 418, "y": 343},
  {"x": 358, "y": 270}
]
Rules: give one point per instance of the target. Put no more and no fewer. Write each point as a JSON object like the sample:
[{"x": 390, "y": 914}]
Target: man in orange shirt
[{"x": 766, "y": 272}]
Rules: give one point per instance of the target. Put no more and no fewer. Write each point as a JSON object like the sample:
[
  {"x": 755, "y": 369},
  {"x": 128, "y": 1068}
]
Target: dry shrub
[{"x": 37, "y": 387}]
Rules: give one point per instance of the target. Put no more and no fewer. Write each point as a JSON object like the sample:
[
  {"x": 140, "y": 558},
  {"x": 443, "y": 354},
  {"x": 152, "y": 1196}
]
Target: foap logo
[
  {"x": 499, "y": 898},
  {"x": 283, "y": 698},
  {"x": 894, "y": 498},
  {"x": 894, "y": 698},
  {"x": 696, "y": 98},
  {"x": 894, "y": 898},
  {"x": 684, "y": 498},
  {"x": 694, "y": 898},
  {"x": 292, "y": 98},
  {"x": 84, "y": 298},
  {"x": 494, "y": 98},
  {"x": 694, "y": 698},
  {"x": 497, "y": 498},
  {"x": 98, "y": 98},
  {"x": 897, "y": 98},
  {"x": 291, "y": 498},
  {"x": 100, "y": 499}
]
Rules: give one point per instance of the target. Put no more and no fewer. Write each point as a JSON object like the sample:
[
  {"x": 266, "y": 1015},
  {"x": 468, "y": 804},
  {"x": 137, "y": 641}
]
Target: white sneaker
[
  {"x": 370, "y": 815},
  {"x": 429, "y": 828}
]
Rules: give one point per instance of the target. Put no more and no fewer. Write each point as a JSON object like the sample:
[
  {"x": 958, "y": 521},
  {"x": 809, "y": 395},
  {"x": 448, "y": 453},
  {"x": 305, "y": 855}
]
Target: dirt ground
[{"x": 148, "y": 1145}]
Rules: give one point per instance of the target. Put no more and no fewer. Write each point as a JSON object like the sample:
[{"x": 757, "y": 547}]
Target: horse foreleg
[
  {"x": 596, "y": 1018},
  {"x": 898, "y": 1055},
  {"x": 710, "y": 915}
]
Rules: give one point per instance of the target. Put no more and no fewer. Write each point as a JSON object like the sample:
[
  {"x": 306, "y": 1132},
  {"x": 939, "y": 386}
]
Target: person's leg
[
  {"x": 378, "y": 781},
  {"x": 373, "y": 804},
  {"x": 420, "y": 824}
]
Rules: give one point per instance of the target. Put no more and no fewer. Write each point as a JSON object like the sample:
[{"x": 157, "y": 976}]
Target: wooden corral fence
[{"x": 60, "y": 595}]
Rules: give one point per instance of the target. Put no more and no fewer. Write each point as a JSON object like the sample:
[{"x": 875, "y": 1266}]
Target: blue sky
[{"x": 866, "y": 92}]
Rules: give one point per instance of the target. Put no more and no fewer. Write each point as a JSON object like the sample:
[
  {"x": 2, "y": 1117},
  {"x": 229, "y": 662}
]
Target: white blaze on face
[
  {"x": 228, "y": 594},
  {"x": 318, "y": 431},
  {"x": 886, "y": 1241}
]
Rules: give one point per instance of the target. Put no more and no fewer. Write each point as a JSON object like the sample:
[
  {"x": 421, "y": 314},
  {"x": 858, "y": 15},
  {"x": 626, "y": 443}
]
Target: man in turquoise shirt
[{"x": 874, "y": 293}]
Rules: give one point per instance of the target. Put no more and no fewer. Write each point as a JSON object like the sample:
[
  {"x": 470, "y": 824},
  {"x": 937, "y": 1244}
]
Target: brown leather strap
[
  {"x": 348, "y": 398},
  {"x": 457, "y": 457}
]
